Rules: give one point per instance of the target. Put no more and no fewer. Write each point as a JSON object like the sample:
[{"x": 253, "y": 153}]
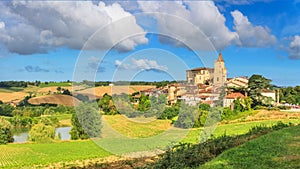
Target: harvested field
[{"x": 55, "y": 99}]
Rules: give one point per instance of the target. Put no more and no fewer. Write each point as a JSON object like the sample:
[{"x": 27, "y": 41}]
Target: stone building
[{"x": 216, "y": 76}]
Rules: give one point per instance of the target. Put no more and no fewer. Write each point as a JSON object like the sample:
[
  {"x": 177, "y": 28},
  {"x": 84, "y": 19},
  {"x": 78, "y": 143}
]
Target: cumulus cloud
[
  {"x": 29, "y": 68},
  {"x": 294, "y": 48},
  {"x": 195, "y": 23},
  {"x": 250, "y": 35},
  {"x": 141, "y": 64},
  {"x": 42, "y": 25}
]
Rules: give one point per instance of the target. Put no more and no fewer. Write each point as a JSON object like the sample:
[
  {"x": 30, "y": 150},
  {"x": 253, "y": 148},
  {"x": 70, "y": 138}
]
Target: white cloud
[
  {"x": 141, "y": 64},
  {"x": 250, "y": 35},
  {"x": 69, "y": 23},
  {"x": 202, "y": 15},
  {"x": 294, "y": 48},
  {"x": 2, "y": 25}
]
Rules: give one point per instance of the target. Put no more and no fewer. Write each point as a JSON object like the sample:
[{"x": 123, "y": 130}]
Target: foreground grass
[
  {"x": 26, "y": 155},
  {"x": 280, "y": 149}
]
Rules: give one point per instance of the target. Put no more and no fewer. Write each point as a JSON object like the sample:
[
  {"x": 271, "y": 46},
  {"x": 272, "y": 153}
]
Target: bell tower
[{"x": 220, "y": 72}]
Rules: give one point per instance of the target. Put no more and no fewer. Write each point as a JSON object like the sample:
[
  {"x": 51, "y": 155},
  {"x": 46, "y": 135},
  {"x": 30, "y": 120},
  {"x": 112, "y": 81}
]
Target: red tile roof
[{"x": 235, "y": 95}]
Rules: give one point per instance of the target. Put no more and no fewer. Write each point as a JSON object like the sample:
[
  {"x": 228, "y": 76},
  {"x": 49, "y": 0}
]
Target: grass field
[
  {"x": 61, "y": 84},
  {"x": 55, "y": 99},
  {"x": 137, "y": 128},
  {"x": 120, "y": 136},
  {"x": 28, "y": 155},
  {"x": 279, "y": 149}
]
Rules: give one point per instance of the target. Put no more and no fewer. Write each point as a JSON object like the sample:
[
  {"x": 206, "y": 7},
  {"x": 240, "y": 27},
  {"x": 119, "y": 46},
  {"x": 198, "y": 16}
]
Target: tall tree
[
  {"x": 86, "y": 122},
  {"x": 255, "y": 85}
]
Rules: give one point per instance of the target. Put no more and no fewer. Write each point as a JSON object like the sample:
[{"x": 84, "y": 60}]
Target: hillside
[
  {"x": 279, "y": 149},
  {"x": 55, "y": 99}
]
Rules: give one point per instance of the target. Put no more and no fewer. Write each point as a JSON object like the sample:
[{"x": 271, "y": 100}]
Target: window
[{"x": 217, "y": 79}]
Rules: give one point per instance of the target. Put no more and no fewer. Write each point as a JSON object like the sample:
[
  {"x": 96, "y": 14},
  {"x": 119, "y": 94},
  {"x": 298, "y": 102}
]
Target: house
[{"x": 229, "y": 99}]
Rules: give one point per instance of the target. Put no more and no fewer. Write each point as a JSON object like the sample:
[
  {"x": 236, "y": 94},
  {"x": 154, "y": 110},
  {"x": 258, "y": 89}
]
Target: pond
[{"x": 20, "y": 136}]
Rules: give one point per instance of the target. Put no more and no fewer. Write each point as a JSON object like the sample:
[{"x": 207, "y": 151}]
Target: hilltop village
[{"x": 207, "y": 85}]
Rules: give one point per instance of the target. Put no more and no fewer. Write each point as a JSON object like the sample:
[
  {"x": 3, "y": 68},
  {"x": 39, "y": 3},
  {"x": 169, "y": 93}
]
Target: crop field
[
  {"x": 101, "y": 90},
  {"x": 12, "y": 96},
  {"x": 137, "y": 128},
  {"x": 55, "y": 99},
  {"x": 279, "y": 149},
  {"x": 26, "y": 155}
]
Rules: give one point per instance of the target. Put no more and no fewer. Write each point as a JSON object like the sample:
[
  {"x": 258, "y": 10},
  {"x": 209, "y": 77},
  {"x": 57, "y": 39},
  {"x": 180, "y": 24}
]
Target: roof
[
  {"x": 220, "y": 58},
  {"x": 235, "y": 95},
  {"x": 202, "y": 68}
]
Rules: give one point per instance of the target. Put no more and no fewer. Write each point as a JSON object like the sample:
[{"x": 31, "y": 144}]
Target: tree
[
  {"x": 42, "y": 133},
  {"x": 59, "y": 89},
  {"x": 187, "y": 116},
  {"x": 6, "y": 135},
  {"x": 106, "y": 105},
  {"x": 255, "y": 85},
  {"x": 66, "y": 92},
  {"x": 144, "y": 103},
  {"x": 6, "y": 110},
  {"x": 86, "y": 122}
]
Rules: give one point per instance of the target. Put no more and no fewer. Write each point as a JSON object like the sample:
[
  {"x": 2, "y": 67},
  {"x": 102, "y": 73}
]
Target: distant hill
[{"x": 55, "y": 99}]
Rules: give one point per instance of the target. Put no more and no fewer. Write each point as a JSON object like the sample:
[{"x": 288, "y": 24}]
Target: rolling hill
[{"x": 55, "y": 99}]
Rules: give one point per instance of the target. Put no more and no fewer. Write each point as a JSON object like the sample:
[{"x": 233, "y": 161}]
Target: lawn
[
  {"x": 279, "y": 149},
  {"x": 25, "y": 155}
]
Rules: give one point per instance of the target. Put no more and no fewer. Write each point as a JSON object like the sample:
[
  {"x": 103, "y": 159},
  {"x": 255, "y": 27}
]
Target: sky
[{"x": 148, "y": 40}]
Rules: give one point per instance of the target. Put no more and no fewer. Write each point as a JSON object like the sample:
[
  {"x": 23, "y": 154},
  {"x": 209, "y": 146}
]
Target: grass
[
  {"x": 234, "y": 128},
  {"x": 61, "y": 84},
  {"x": 279, "y": 149},
  {"x": 27, "y": 155},
  {"x": 137, "y": 128}
]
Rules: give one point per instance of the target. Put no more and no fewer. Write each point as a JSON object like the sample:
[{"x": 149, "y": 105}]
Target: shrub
[
  {"x": 5, "y": 132},
  {"x": 42, "y": 133}
]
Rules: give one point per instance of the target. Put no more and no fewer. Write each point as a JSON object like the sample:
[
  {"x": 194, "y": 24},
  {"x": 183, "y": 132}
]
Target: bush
[
  {"x": 6, "y": 135},
  {"x": 42, "y": 133}
]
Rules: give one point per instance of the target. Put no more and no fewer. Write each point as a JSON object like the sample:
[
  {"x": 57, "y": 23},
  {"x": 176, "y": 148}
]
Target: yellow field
[
  {"x": 13, "y": 96},
  {"x": 101, "y": 90},
  {"x": 132, "y": 128},
  {"x": 55, "y": 99}
]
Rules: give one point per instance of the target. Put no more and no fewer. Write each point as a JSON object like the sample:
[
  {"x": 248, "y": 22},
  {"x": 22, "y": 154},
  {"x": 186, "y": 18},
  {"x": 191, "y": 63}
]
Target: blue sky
[{"x": 148, "y": 40}]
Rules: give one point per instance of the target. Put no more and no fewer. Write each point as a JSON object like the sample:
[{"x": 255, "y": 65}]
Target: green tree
[
  {"x": 6, "y": 135},
  {"x": 255, "y": 85},
  {"x": 42, "y": 133},
  {"x": 144, "y": 103},
  {"x": 86, "y": 122},
  {"x": 6, "y": 109},
  {"x": 187, "y": 116},
  {"x": 106, "y": 105}
]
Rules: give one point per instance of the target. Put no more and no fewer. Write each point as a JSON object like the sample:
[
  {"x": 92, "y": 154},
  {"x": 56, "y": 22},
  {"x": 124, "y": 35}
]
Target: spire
[{"x": 220, "y": 58}]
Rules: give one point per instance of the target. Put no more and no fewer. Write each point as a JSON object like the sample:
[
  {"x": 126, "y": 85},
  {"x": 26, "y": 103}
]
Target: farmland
[
  {"x": 25, "y": 155},
  {"x": 133, "y": 136},
  {"x": 55, "y": 99}
]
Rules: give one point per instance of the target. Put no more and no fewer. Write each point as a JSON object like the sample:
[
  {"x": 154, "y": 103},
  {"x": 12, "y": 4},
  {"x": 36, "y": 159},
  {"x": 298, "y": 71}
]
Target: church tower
[{"x": 220, "y": 72}]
